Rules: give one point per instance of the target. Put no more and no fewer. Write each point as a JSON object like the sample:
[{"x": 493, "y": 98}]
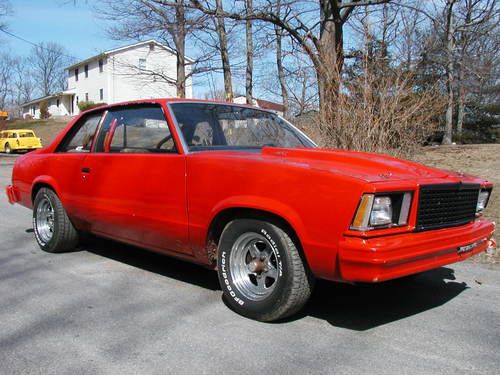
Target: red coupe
[{"x": 242, "y": 191}]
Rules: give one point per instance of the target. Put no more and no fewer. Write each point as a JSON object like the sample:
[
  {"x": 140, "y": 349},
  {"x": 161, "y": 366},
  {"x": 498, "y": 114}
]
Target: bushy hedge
[
  {"x": 88, "y": 105},
  {"x": 44, "y": 110}
]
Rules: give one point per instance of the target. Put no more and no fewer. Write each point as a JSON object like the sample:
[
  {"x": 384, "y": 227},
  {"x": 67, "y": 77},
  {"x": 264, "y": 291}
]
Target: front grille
[{"x": 446, "y": 205}]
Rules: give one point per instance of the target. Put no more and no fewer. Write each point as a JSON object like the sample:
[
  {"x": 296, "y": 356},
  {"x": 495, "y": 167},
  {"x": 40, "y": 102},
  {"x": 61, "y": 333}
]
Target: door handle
[{"x": 85, "y": 170}]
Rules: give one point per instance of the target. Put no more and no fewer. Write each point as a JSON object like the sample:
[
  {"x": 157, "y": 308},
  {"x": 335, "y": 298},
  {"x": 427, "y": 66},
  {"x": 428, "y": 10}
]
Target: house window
[
  {"x": 76, "y": 74},
  {"x": 101, "y": 94},
  {"x": 77, "y": 100},
  {"x": 151, "y": 46},
  {"x": 142, "y": 63},
  {"x": 86, "y": 96},
  {"x": 101, "y": 66},
  {"x": 58, "y": 102},
  {"x": 86, "y": 68}
]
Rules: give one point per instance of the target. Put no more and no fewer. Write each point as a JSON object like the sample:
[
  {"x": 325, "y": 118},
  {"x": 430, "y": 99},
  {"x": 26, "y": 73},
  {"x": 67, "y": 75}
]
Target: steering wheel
[{"x": 163, "y": 141}]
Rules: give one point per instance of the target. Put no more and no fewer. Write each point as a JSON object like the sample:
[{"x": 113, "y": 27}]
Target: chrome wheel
[
  {"x": 45, "y": 220},
  {"x": 8, "y": 150},
  {"x": 253, "y": 265}
]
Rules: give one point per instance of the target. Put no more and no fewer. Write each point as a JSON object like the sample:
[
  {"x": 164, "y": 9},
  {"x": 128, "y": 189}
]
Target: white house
[{"x": 139, "y": 71}]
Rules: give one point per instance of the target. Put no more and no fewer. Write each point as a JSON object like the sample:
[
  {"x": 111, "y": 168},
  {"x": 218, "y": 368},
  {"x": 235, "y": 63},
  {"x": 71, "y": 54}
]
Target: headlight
[
  {"x": 482, "y": 200},
  {"x": 382, "y": 210}
]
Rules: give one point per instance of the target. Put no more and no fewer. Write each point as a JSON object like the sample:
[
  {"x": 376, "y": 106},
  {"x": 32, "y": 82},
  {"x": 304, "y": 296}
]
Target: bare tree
[
  {"x": 450, "y": 46},
  {"x": 6, "y": 63},
  {"x": 220, "y": 27},
  {"x": 5, "y": 10},
  {"x": 321, "y": 40},
  {"x": 279, "y": 61},
  {"x": 447, "y": 29},
  {"x": 249, "y": 53},
  {"x": 172, "y": 24},
  {"x": 48, "y": 62},
  {"x": 475, "y": 52},
  {"x": 22, "y": 84}
]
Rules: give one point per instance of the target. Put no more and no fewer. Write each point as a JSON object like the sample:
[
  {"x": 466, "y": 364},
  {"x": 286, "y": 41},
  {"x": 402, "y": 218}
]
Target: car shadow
[
  {"x": 364, "y": 306},
  {"x": 357, "y": 307},
  {"x": 149, "y": 261}
]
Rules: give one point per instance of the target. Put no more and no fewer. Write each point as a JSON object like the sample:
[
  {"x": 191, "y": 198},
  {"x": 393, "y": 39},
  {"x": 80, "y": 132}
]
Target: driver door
[{"x": 135, "y": 180}]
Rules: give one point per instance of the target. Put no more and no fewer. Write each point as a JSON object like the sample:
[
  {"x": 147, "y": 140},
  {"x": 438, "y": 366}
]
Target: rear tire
[
  {"x": 7, "y": 148},
  {"x": 54, "y": 232},
  {"x": 261, "y": 271}
]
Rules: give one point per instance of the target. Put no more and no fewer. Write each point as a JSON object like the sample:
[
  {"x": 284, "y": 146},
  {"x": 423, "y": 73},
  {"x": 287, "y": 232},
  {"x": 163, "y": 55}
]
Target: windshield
[{"x": 208, "y": 126}]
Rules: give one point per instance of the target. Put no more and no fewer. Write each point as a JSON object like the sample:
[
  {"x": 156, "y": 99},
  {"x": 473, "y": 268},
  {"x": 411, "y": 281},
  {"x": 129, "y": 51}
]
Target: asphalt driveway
[{"x": 116, "y": 309}]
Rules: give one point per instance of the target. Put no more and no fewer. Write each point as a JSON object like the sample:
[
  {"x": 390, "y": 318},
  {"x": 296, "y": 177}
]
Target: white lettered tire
[{"x": 261, "y": 271}]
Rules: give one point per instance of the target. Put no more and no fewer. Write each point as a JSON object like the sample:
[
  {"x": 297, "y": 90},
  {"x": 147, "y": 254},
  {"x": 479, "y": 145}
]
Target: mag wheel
[
  {"x": 8, "y": 150},
  {"x": 54, "y": 232},
  {"x": 261, "y": 272}
]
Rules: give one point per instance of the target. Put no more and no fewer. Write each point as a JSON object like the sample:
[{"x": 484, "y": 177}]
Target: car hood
[{"x": 360, "y": 165}]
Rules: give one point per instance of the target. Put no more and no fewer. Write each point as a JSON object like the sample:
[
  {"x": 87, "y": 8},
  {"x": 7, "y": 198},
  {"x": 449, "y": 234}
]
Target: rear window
[{"x": 26, "y": 135}]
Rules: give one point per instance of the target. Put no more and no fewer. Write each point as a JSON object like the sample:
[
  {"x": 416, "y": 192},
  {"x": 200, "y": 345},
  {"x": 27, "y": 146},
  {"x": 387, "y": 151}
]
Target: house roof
[
  {"x": 56, "y": 95},
  {"x": 124, "y": 48},
  {"x": 266, "y": 104}
]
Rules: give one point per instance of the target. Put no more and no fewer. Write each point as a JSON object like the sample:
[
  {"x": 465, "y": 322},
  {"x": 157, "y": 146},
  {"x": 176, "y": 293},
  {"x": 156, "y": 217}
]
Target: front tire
[
  {"x": 54, "y": 232},
  {"x": 7, "y": 148},
  {"x": 261, "y": 271}
]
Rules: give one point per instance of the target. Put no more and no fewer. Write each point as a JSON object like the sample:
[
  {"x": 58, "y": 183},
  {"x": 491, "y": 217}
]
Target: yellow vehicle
[
  {"x": 18, "y": 140},
  {"x": 3, "y": 115}
]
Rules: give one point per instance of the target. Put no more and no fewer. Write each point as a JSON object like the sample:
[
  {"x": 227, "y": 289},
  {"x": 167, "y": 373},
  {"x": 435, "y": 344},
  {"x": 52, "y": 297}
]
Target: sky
[{"x": 73, "y": 26}]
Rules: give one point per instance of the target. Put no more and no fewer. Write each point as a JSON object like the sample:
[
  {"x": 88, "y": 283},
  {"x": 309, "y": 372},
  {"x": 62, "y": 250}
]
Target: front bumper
[
  {"x": 389, "y": 257},
  {"x": 12, "y": 194}
]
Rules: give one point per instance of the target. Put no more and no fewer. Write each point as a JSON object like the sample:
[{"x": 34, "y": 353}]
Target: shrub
[
  {"x": 85, "y": 105},
  {"x": 44, "y": 109},
  {"x": 381, "y": 113}
]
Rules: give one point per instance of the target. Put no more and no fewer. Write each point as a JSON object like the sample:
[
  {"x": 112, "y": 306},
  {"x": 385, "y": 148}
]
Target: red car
[{"x": 242, "y": 191}]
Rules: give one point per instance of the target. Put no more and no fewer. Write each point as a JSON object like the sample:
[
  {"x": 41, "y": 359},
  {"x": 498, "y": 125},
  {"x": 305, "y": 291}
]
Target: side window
[
  {"x": 13, "y": 135},
  {"x": 137, "y": 129},
  {"x": 197, "y": 125},
  {"x": 81, "y": 139}
]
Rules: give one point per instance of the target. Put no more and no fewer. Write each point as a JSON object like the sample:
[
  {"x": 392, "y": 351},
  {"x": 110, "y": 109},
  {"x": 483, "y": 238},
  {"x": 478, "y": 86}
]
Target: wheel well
[
  {"x": 226, "y": 216},
  {"x": 37, "y": 188}
]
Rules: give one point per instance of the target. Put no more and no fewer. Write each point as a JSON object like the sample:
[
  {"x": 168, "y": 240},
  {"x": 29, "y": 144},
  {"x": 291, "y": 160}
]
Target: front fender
[{"x": 272, "y": 206}]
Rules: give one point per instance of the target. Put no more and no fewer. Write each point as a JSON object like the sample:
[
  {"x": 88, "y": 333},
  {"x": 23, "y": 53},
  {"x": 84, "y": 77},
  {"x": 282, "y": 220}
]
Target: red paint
[{"x": 166, "y": 202}]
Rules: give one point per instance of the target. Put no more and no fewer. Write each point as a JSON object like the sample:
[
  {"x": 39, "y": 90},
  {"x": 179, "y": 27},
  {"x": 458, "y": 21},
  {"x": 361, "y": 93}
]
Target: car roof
[
  {"x": 167, "y": 101},
  {"x": 16, "y": 130}
]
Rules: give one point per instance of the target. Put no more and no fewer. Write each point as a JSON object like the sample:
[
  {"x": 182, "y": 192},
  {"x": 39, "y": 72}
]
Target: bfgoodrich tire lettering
[
  {"x": 54, "y": 232},
  {"x": 261, "y": 271}
]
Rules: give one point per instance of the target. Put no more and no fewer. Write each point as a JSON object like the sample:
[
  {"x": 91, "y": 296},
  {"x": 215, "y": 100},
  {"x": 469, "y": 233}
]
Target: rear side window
[
  {"x": 80, "y": 140},
  {"x": 137, "y": 129}
]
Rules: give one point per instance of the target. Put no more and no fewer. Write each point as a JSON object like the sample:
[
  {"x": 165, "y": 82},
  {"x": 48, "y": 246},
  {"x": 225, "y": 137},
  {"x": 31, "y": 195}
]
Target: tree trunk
[
  {"x": 180, "y": 45},
  {"x": 330, "y": 53},
  {"x": 460, "y": 112},
  {"x": 279, "y": 64},
  {"x": 249, "y": 48},
  {"x": 450, "y": 45},
  {"x": 226, "y": 66}
]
